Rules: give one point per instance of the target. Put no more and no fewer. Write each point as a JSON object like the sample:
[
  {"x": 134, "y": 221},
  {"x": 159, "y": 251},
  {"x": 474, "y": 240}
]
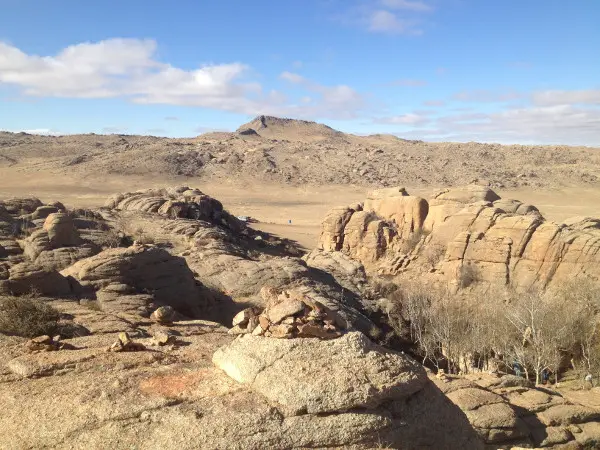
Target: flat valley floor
[{"x": 272, "y": 205}]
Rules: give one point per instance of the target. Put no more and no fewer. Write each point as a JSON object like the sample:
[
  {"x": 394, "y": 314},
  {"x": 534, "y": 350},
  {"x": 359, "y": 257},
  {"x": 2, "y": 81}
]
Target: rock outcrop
[
  {"x": 515, "y": 416},
  {"x": 144, "y": 374},
  {"x": 138, "y": 279},
  {"x": 288, "y": 315},
  {"x": 464, "y": 230},
  {"x": 37, "y": 240},
  {"x": 357, "y": 373},
  {"x": 175, "y": 202}
]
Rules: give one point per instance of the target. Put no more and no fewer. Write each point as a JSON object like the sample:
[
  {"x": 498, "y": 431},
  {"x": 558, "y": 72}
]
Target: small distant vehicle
[{"x": 247, "y": 219}]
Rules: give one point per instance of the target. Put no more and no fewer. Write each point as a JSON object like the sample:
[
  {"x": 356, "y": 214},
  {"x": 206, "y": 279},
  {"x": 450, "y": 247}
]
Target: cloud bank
[{"x": 129, "y": 68}]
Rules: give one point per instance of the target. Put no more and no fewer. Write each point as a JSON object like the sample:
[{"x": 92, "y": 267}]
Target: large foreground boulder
[
  {"x": 172, "y": 397},
  {"x": 308, "y": 379},
  {"x": 356, "y": 372}
]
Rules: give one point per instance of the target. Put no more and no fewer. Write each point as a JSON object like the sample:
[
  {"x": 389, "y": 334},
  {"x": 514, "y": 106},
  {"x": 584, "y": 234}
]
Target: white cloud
[
  {"x": 552, "y": 98},
  {"x": 383, "y": 21},
  {"x": 408, "y": 83},
  {"x": 292, "y": 77},
  {"x": 406, "y": 4},
  {"x": 413, "y": 119},
  {"x": 487, "y": 96},
  {"x": 128, "y": 68},
  {"x": 83, "y": 70},
  {"x": 340, "y": 98},
  {"x": 393, "y": 17},
  {"x": 563, "y": 124}
]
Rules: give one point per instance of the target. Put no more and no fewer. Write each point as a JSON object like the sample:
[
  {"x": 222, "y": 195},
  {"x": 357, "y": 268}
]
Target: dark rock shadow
[
  {"x": 429, "y": 420},
  {"x": 271, "y": 244}
]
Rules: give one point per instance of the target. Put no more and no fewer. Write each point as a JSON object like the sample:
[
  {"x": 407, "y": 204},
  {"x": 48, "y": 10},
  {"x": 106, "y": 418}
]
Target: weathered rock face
[
  {"x": 290, "y": 314},
  {"x": 131, "y": 279},
  {"x": 30, "y": 278},
  {"x": 18, "y": 206},
  {"x": 227, "y": 262},
  {"x": 395, "y": 205},
  {"x": 463, "y": 230},
  {"x": 58, "y": 243},
  {"x": 172, "y": 397}
]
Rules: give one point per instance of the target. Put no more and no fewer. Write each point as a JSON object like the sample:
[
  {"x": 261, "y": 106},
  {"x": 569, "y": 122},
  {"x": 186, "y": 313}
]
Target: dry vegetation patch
[{"x": 27, "y": 317}]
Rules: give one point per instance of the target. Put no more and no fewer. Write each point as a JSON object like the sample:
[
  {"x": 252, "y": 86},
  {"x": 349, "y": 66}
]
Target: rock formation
[
  {"x": 175, "y": 202},
  {"x": 288, "y": 315},
  {"x": 137, "y": 279},
  {"x": 463, "y": 229}
]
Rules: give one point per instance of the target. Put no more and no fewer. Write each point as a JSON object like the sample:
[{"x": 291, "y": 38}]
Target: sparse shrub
[
  {"x": 93, "y": 305},
  {"x": 434, "y": 253},
  {"x": 27, "y": 317},
  {"x": 123, "y": 234},
  {"x": 411, "y": 242},
  {"x": 112, "y": 239},
  {"x": 468, "y": 275},
  {"x": 141, "y": 237},
  {"x": 375, "y": 333}
]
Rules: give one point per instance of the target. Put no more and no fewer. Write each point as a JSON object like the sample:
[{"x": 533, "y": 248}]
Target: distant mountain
[{"x": 290, "y": 129}]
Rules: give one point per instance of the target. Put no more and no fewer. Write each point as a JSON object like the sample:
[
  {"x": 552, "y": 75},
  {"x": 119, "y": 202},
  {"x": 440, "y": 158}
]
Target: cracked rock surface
[{"x": 356, "y": 372}]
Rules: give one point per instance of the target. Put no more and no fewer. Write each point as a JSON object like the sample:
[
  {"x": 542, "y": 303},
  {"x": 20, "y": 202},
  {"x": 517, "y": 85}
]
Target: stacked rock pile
[{"x": 287, "y": 315}]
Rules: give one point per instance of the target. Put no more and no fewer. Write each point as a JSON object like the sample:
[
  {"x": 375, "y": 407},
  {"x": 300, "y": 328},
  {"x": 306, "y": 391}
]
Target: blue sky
[{"x": 462, "y": 70}]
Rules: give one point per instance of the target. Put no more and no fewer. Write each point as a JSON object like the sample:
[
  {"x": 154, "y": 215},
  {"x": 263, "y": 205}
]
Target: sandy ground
[{"x": 273, "y": 205}]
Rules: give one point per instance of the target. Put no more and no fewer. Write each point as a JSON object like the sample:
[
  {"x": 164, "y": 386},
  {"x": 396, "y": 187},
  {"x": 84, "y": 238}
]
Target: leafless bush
[
  {"x": 112, "y": 239},
  {"x": 124, "y": 233}
]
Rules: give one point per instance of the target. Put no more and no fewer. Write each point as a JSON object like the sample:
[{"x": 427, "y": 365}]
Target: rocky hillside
[{"x": 299, "y": 153}]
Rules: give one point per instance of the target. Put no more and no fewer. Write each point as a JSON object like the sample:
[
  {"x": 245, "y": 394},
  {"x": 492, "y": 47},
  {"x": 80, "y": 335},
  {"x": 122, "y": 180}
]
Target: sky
[{"x": 510, "y": 71}]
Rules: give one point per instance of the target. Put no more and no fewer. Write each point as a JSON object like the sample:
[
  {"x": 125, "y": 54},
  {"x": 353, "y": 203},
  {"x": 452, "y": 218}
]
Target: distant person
[
  {"x": 589, "y": 381},
  {"x": 545, "y": 376},
  {"x": 517, "y": 369}
]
